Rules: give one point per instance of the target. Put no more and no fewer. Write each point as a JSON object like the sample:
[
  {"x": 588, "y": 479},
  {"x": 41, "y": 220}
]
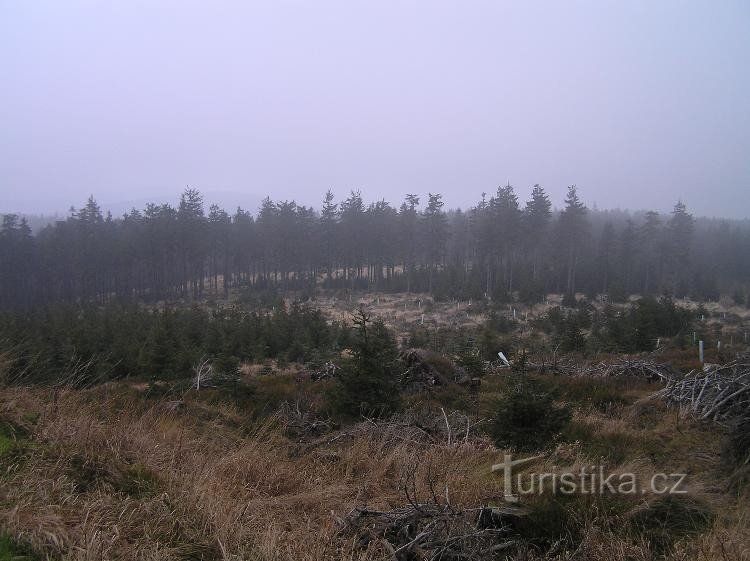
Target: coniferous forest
[{"x": 501, "y": 248}]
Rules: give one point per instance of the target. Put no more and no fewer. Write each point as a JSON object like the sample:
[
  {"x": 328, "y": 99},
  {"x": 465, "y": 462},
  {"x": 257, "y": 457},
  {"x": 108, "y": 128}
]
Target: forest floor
[{"x": 115, "y": 472}]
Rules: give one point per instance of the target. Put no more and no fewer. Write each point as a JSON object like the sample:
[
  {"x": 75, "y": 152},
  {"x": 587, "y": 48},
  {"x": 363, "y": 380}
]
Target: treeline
[
  {"x": 497, "y": 248},
  {"x": 94, "y": 343}
]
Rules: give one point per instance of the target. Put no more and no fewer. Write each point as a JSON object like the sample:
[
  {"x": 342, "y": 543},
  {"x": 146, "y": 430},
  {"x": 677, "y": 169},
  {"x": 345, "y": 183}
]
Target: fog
[{"x": 638, "y": 103}]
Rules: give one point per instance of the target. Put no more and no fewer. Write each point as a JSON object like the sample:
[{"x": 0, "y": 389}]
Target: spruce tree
[
  {"x": 573, "y": 230},
  {"x": 368, "y": 384},
  {"x": 536, "y": 217}
]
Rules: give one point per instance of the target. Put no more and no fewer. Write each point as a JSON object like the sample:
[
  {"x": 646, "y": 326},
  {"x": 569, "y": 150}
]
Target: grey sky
[{"x": 638, "y": 103}]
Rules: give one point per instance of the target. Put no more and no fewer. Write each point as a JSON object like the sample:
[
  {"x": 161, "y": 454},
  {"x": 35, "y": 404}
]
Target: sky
[{"x": 638, "y": 103}]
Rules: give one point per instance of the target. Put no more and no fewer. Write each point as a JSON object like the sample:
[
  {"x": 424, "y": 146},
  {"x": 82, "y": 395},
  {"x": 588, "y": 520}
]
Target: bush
[
  {"x": 531, "y": 293},
  {"x": 501, "y": 323},
  {"x": 419, "y": 337},
  {"x": 569, "y": 301},
  {"x": 669, "y": 518},
  {"x": 489, "y": 344},
  {"x": 10, "y": 442},
  {"x": 116, "y": 341},
  {"x": 739, "y": 297},
  {"x": 527, "y": 418},
  {"x": 573, "y": 339},
  {"x": 602, "y": 395},
  {"x": 549, "y": 520},
  {"x": 471, "y": 361},
  {"x": 226, "y": 364},
  {"x": 559, "y": 521},
  {"x": 739, "y": 441},
  {"x": 13, "y": 551},
  {"x": 613, "y": 446},
  {"x": 640, "y": 326}
]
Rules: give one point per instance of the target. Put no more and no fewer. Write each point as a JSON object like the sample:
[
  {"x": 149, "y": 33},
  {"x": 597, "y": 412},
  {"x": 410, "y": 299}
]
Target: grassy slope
[{"x": 108, "y": 474}]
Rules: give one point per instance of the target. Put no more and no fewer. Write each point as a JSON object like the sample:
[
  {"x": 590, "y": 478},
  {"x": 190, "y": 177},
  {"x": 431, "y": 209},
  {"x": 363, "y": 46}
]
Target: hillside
[{"x": 258, "y": 466}]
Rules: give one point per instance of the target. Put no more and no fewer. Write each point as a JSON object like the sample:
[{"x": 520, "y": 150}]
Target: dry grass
[
  {"x": 208, "y": 493},
  {"x": 400, "y": 311},
  {"x": 106, "y": 474}
]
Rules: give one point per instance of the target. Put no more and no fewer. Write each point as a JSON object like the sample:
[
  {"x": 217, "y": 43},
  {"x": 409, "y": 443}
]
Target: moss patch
[
  {"x": 10, "y": 550},
  {"x": 10, "y": 438}
]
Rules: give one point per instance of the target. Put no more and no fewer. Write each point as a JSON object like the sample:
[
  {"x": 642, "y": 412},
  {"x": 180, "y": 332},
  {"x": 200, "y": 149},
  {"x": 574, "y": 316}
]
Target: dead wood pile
[
  {"x": 430, "y": 532},
  {"x": 720, "y": 393},
  {"x": 634, "y": 367},
  {"x": 206, "y": 376},
  {"x": 559, "y": 366},
  {"x": 300, "y": 419},
  {"x": 328, "y": 370},
  {"x": 432, "y": 529},
  {"x": 419, "y": 426},
  {"x": 421, "y": 373}
]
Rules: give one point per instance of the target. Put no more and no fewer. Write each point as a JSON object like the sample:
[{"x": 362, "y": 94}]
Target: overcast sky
[{"x": 638, "y": 103}]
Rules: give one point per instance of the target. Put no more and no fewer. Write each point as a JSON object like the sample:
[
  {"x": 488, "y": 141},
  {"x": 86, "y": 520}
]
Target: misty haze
[{"x": 374, "y": 281}]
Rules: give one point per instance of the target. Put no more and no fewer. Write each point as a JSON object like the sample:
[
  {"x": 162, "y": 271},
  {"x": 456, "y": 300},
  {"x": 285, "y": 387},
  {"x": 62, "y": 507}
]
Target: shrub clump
[
  {"x": 739, "y": 441},
  {"x": 669, "y": 518},
  {"x": 527, "y": 418}
]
